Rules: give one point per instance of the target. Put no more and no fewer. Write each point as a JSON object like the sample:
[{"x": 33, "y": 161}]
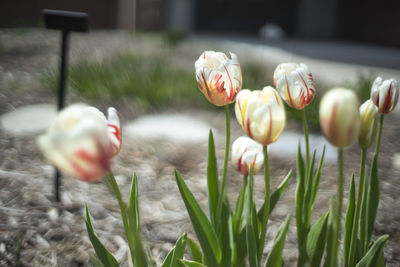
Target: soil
[{"x": 37, "y": 231}]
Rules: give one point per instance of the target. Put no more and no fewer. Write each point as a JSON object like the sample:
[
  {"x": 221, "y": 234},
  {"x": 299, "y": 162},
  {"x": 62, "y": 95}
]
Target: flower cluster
[{"x": 82, "y": 142}]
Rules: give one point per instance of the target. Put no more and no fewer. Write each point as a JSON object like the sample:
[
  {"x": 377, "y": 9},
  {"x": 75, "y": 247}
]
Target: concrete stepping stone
[
  {"x": 168, "y": 127},
  {"x": 28, "y": 120}
]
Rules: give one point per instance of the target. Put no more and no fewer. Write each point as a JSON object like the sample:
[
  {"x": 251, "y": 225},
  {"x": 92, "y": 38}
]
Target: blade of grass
[
  {"x": 274, "y": 258},
  {"x": 212, "y": 180},
  {"x": 202, "y": 226},
  {"x": 349, "y": 222},
  {"x": 106, "y": 258},
  {"x": 251, "y": 238}
]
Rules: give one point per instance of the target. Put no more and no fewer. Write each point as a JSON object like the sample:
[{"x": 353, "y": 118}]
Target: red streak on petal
[
  {"x": 229, "y": 76},
  {"x": 269, "y": 133},
  {"x": 388, "y": 101},
  {"x": 332, "y": 125},
  {"x": 206, "y": 85},
  {"x": 248, "y": 129},
  {"x": 289, "y": 95}
]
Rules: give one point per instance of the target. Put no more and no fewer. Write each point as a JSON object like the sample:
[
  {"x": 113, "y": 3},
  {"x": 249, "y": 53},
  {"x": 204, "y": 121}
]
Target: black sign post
[{"x": 65, "y": 21}]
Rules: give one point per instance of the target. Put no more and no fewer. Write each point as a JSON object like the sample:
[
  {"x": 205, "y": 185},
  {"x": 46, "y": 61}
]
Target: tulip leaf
[
  {"x": 239, "y": 208},
  {"x": 301, "y": 231},
  {"x": 226, "y": 235},
  {"x": 95, "y": 260},
  {"x": 194, "y": 250},
  {"x": 202, "y": 226},
  {"x": 132, "y": 230},
  {"x": 330, "y": 248},
  {"x": 176, "y": 253},
  {"x": 276, "y": 195},
  {"x": 106, "y": 258},
  {"x": 133, "y": 205},
  {"x": 349, "y": 222},
  {"x": 316, "y": 240},
  {"x": 308, "y": 194},
  {"x": 372, "y": 257},
  {"x": 187, "y": 263},
  {"x": 251, "y": 225},
  {"x": 372, "y": 198},
  {"x": 241, "y": 247},
  {"x": 275, "y": 255},
  {"x": 212, "y": 180},
  {"x": 317, "y": 179}
]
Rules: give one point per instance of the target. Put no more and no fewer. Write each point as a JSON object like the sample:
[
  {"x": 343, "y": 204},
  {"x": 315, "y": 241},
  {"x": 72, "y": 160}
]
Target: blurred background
[{"x": 138, "y": 56}]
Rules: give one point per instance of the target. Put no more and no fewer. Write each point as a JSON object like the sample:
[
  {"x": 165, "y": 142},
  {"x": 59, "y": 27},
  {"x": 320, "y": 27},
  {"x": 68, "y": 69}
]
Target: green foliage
[
  {"x": 363, "y": 86},
  {"x": 349, "y": 221},
  {"x": 372, "y": 199},
  {"x": 150, "y": 81},
  {"x": 174, "y": 37},
  {"x": 205, "y": 233},
  {"x": 275, "y": 256},
  {"x": 212, "y": 180},
  {"x": 176, "y": 253},
  {"x": 316, "y": 240},
  {"x": 103, "y": 255},
  {"x": 373, "y": 256}
]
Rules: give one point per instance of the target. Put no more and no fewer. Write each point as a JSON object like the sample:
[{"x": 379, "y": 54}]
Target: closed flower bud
[
  {"x": 295, "y": 83},
  {"x": 368, "y": 127},
  {"x": 261, "y": 114},
  {"x": 385, "y": 94},
  {"x": 247, "y": 153},
  {"x": 218, "y": 77},
  {"x": 340, "y": 117},
  {"x": 81, "y": 142}
]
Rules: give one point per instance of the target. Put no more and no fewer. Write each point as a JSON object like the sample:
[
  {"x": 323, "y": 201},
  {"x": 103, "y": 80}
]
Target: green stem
[
  {"x": 266, "y": 203},
  {"x": 222, "y": 195},
  {"x": 115, "y": 190},
  {"x": 360, "y": 193},
  {"x": 339, "y": 203},
  {"x": 305, "y": 127},
  {"x": 227, "y": 144},
  {"x": 378, "y": 140}
]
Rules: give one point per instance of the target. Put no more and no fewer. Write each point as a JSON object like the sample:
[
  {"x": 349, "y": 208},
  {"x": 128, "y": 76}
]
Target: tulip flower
[
  {"x": 261, "y": 114},
  {"x": 218, "y": 77},
  {"x": 385, "y": 94},
  {"x": 295, "y": 83},
  {"x": 340, "y": 117},
  {"x": 368, "y": 127},
  {"x": 247, "y": 153},
  {"x": 81, "y": 142}
]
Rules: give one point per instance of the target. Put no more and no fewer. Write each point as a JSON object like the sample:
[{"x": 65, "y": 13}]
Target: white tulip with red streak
[
  {"x": 219, "y": 78},
  {"x": 385, "y": 94},
  {"x": 247, "y": 153},
  {"x": 340, "y": 117},
  {"x": 261, "y": 114},
  {"x": 368, "y": 126},
  {"x": 82, "y": 142},
  {"x": 295, "y": 83}
]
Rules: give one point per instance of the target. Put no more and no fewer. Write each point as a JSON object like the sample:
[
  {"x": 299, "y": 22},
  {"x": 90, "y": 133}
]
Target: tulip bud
[
  {"x": 247, "y": 153},
  {"x": 368, "y": 126},
  {"x": 295, "y": 83},
  {"x": 218, "y": 77},
  {"x": 261, "y": 114},
  {"x": 81, "y": 142},
  {"x": 340, "y": 117},
  {"x": 385, "y": 94}
]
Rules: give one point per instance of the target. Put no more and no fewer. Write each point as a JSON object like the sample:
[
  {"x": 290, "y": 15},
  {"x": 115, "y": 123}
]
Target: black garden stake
[{"x": 66, "y": 22}]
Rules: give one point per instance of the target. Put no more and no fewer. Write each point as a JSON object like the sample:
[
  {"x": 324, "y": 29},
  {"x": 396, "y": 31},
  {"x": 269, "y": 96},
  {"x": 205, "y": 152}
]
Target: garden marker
[{"x": 66, "y": 21}]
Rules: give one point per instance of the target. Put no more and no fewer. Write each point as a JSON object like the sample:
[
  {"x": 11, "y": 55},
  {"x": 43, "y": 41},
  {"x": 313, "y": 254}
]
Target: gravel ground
[{"x": 35, "y": 231}]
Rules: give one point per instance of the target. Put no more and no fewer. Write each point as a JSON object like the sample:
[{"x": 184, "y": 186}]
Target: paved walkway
[{"x": 332, "y": 63}]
